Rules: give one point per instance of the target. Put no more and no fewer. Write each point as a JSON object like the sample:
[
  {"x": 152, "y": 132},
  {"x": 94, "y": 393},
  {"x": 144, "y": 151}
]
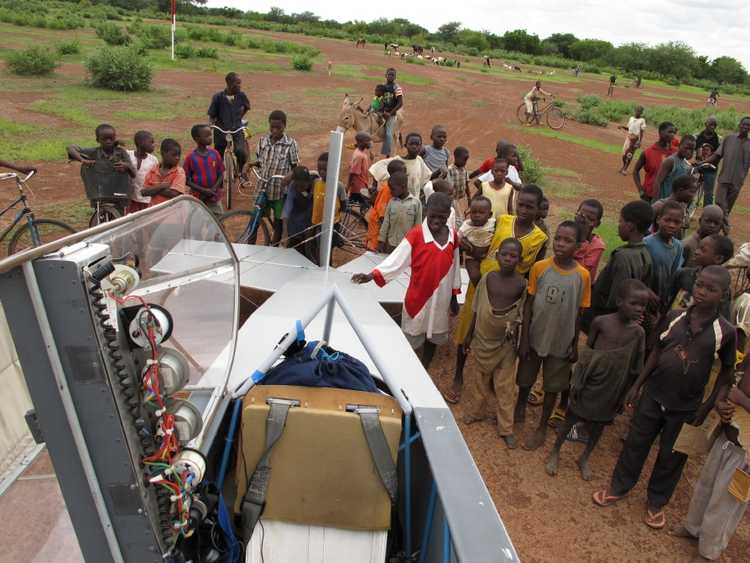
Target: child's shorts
[
  {"x": 555, "y": 372},
  {"x": 416, "y": 341}
]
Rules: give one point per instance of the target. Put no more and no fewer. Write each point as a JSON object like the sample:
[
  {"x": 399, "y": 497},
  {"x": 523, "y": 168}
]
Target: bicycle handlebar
[
  {"x": 10, "y": 175},
  {"x": 228, "y": 132}
]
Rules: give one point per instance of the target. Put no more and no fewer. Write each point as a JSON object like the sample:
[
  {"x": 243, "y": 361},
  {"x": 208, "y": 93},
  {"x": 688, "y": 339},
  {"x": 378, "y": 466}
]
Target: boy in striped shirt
[{"x": 204, "y": 170}]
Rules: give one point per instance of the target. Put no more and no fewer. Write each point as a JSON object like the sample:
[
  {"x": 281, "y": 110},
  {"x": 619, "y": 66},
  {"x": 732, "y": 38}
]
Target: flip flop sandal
[
  {"x": 556, "y": 419},
  {"x": 535, "y": 400},
  {"x": 601, "y": 498},
  {"x": 655, "y": 521},
  {"x": 451, "y": 397}
]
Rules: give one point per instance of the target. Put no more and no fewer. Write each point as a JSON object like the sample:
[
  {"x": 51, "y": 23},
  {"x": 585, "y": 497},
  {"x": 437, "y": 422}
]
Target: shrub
[
  {"x": 532, "y": 168},
  {"x": 207, "y": 53},
  {"x": 301, "y": 62},
  {"x": 119, "y": 69},
  {"x": 155, "y": 36},
  {"x": 590, "y": 117},
  {"x": 184, "y": 51},
  {"x": 35, "y": 61},
  {"x": 69, "y": 47},
  {"x": 112, "y": 34},
  {"x": 232, "y": 39}
]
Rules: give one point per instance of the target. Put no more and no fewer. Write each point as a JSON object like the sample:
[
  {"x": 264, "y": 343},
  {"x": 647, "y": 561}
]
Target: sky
[{"x": 711, "y": 27}]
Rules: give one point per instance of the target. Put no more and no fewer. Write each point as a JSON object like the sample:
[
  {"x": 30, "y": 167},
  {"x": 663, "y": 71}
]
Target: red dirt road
[{"x": 549, "y": 519}]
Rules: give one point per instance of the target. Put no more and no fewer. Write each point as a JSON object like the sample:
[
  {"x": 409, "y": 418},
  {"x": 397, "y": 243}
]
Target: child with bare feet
[
  {"x": 675, "y": 381},
  {"x": 610, "y": 361},
  {"x": 498, "y": 311},
  {"x": 559, "y": 289}
]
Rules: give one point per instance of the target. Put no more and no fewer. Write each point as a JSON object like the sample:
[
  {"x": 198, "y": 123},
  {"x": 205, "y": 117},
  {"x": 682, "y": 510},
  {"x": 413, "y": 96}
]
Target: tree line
[{"x": 675, "y": 61}]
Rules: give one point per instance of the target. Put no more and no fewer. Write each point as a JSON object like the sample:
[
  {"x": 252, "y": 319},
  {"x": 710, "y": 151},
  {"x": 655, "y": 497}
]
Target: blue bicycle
[
  {"x": 33, "y": 232},
  {"x": 251, "y": 226}
]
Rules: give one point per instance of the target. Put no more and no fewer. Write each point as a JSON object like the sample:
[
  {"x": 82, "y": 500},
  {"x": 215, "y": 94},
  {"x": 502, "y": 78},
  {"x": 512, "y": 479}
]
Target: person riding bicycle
[
  {"x": 531, "y": 101},
  {"x": 227, "y": 110},
  {"x": 109, "y": 162}
]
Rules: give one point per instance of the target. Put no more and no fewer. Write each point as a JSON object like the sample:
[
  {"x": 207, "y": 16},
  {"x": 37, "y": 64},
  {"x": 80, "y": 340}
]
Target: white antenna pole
[
  {"x": 174, "y": 26},
  {"x": 329, "y": 207}
]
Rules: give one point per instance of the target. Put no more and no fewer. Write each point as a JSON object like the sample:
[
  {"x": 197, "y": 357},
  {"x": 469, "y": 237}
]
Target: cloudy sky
[{"x": 712, "y": 27}]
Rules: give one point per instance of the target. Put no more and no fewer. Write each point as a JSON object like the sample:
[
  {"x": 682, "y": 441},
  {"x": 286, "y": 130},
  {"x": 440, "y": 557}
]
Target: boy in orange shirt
[
  {"x": 359, "y": 176},
  {"x": 377, "y": 212},
  {"x": 166, "y": 181}
]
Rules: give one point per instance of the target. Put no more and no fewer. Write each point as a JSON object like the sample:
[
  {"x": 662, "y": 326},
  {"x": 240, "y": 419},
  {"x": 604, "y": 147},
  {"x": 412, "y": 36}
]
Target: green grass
[
  {"x": 575, "y": 139},
  {"x": 608, "y": 231},
  {"x": 566, "y": 189},
  {"x": 75, "y": 213},
  {"x": 562, "y": 172}
]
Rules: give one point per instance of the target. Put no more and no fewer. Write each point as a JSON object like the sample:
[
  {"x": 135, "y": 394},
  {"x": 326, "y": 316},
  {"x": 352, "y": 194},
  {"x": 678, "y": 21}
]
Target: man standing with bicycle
[
  {"x": 226, "y": 111},
  {"x": 531, "y": 101}
]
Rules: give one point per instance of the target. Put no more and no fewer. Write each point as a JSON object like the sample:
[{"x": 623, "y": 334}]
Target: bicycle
[
  {"x": 554, "y": 116},
  {"x": 698, "y": 173},
  {"x": 232, "y": 173},
  {"x": 106, "y": 211},
  {"x": 243, "y": 226},
  {"x": 36, "y": 231},
  {"x": 352, "y": 225}
]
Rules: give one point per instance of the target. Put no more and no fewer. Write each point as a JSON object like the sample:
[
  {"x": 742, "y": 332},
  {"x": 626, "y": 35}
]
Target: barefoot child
[
  {"x": 402, "y": 214},
  {"x": 636, "y": 127},
  {"x": 431, "y": 250},
  {"x": 673, "y": 167},
  {"x": 710, "y": 223},
  {"x": 533, "y": 242},
  {"x": 611, "y": 360},
  {"x": 674, "y": 380},
  {"x": 718, "y": 503},
  {"x": 458, "y": 175},
  {"x": 683, "y": 192},
  {"x": 542, "y": 216},
  {"x": 714, "y": 250},
  {"x": 589, "y": 253},
  {"x": 377, "y": 211},
  {"x": 559, "y": 290},
  {"x": 498, "y": 311}
]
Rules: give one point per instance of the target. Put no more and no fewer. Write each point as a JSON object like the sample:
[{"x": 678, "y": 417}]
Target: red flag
[{"x": 174, "y": 8}]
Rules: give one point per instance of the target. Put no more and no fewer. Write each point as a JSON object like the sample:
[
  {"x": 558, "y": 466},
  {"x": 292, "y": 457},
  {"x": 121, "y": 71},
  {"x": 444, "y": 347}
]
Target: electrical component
[
  {"x": 121, "y": 281},
  {"x": 174, "y": 372},
  {"x": 188, "y": 421},
  {"x": 152, "y": 318},
  {"x": 191, "y": 463}
]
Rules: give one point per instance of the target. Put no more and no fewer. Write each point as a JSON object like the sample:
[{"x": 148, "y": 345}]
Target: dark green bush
[
  {"x": 207, "y": 53},
  {"x": 184, "y": 51},
  {"x": 69, "y": 47},
  {"x": 532, "y": 168},
  {"x": 120, "y": 68},
  {"x": 112, "y": 34},
  {"x": 35, "y": 61},
  {"x": 301, "y": 62}
]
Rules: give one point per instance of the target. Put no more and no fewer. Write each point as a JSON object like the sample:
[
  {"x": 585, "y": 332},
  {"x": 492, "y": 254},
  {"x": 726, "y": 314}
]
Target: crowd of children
[{"x": 655, "y": 322}]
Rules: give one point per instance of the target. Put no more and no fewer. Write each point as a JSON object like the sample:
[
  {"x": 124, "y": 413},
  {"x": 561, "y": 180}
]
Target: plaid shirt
[
  {"x": 276, "y": 159},
  {"x": 459, "y": 179}
]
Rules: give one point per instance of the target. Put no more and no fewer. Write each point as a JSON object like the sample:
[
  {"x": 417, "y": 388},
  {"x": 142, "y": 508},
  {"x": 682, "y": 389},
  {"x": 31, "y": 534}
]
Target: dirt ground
[{"x": 549, "y": 519}]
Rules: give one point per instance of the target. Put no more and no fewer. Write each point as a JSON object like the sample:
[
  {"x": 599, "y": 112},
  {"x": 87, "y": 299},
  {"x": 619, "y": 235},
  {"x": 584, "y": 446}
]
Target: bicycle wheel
[
  {"x": 230, "y": 176},
  {"x": 105, "y": 214},
  {"x": 521, "y": 114},
  {"x": 697, "y": 201},
  {"x": 248, "y": 187},
  {"x": 236, "y": 225},
  {"x": 555, "y": 118},
  {"x": 353, "y": 228},
  {"x": 49, "y": 230}
]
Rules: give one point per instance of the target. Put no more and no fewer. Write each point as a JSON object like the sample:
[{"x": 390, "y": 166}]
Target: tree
[
  {"x": 473, "y": 39},
  {"x": 630, "y": 57},
  {"x": 306, "y": 17},
  {"x": 521, "y": 40},
  {"x": 728, "y": 70},
  {"x": 561, "y": 43},
  {"x": 673, "y": 59},
  {"x": 276, "y": 14},
  {"x": 449, "y": 31},
  {"x": 590, "y": 49}
]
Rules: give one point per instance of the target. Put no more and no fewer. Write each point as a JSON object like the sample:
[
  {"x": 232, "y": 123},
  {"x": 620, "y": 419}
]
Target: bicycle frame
[{"x": 19, "y": 216}]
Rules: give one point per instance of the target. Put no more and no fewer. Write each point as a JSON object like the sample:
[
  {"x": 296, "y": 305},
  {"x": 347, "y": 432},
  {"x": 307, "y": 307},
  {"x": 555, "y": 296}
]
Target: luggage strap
[{"x": 254, "y": 500}]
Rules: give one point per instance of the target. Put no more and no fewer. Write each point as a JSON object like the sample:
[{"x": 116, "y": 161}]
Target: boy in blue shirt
[
  {"x": 665, "y": 250},
  {"x": 204, "y": 170}
]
